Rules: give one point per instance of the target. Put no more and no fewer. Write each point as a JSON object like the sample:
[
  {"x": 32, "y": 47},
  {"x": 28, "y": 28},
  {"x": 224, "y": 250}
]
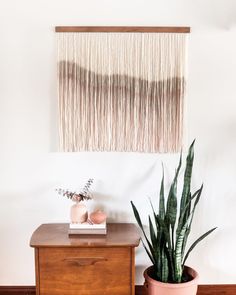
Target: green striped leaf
[
  {"x": 148, "y": 252},
  {"x": 191, "y": 220},
  {"x": 154, "y": 216},
  {"x": 166, "y": 242},
  {"x": 138, "y": 219},
  {"x": 187, "y": 177},
  {"x": 196, "y": 242},
  {"x": 183, "y": 215},
  {"x": 178, "y": 251},
  {"x": 162, "y": 198},
  {"x": 171, "y": 210},
  {"x": 165, "y": 270},
  {"x": 165, "y": 230},
  {"x": 152, "y": 234}
]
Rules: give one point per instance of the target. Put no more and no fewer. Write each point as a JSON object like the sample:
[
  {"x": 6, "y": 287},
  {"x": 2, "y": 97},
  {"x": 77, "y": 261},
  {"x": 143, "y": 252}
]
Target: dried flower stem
[{"x": 83, "y": 195}]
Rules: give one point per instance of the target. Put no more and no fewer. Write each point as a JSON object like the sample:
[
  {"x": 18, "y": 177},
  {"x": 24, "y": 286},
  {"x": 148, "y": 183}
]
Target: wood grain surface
[
  {"x": 88, "y": 265},
  {"x": 92, "y": 271},
  {"x": 73, "y": 29},
  {"x": 56, "y": 235}
]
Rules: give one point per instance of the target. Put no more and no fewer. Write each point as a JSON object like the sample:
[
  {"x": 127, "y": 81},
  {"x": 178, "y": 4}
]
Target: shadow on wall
[
  {"x": 118, "y": 216},
  {"x": 100, "y": 203},
  {"x": 139, "y": 269}
]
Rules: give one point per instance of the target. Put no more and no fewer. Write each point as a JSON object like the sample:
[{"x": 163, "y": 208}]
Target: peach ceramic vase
[
  {"x": 154, "y": 287},
  {"x": 78, "y": 213}
]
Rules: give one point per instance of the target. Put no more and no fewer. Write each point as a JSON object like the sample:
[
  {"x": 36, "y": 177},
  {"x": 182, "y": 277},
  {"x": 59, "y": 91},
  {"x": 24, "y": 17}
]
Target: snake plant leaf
[
  {"x": 148, "y": 252},
  {"x": 185, "y": 241},
  {"x": 196, "y": 202},
  {"x": 162, "y": 198},
  {"x": 187, "y": 176},
  {"x": 196, "y": 242},
  {"x": 138, "y": 219},
  {"x": 164, "y": 229},
  {"x": 171, "y": 210},
  {"x": 178, "y": 250},
  {"x": 159, "y": 234},
  {"x": 154, "y": 240},
  {"x": 154, "y": 216},
  {"x": 195, "y": 205},
  {"x": 166, "y": 242},
  {"x": 189, "y": 207},
  {"x": 171, "y": 260},
  {"x": 152, "y": 233},
  {"x": 165, "y": 270},
  {"x": 179, "y": 166},
  {"x": 183, "y": 214},
  {"x": 158, "y": 263},
  {"x": 191, "y": 220}
]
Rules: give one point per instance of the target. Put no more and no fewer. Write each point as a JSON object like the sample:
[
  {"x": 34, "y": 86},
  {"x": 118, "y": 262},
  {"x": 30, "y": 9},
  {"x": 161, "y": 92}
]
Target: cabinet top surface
[{"x": 56, "y": 235}]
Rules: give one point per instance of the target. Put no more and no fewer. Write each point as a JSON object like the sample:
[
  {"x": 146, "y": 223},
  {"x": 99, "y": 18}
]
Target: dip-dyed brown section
[{"x": 118, "y": 112}]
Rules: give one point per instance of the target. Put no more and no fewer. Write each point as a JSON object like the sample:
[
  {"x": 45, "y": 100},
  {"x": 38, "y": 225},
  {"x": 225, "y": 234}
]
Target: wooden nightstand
[{"x": 85, "y": 265}]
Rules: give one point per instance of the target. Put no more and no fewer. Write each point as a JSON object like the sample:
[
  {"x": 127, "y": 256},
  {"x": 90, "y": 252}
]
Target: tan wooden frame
[{"x": 74, "y": 29}]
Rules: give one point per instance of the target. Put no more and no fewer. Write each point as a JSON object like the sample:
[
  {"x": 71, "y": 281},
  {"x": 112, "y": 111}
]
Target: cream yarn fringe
[{"x": 121, "y": 91}]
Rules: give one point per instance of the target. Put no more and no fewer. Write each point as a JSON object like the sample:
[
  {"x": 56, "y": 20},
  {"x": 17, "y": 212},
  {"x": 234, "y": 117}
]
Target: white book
[
  {"x": 86, "y": 225},
  {"x": 87, "y": 231}
]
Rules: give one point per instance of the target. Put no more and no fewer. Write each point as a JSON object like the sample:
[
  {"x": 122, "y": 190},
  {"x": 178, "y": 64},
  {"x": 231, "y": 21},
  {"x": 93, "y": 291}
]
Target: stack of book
[{"x": 87, "y": 229}]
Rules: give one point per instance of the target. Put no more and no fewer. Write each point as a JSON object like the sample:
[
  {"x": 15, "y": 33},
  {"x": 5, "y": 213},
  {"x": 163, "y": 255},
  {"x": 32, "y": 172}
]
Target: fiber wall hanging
[{"x": 121, "y": 88}]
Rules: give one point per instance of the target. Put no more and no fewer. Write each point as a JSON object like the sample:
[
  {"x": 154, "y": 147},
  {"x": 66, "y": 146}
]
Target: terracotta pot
[
  {"x": 154, "y": 287},
  {"x": 78, "y": 213},
  {"x": 98, "y": 217}
]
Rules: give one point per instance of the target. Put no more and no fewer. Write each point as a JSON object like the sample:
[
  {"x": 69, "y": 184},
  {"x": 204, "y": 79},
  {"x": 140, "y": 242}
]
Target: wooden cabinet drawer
[{"x": 85, "y": 271}]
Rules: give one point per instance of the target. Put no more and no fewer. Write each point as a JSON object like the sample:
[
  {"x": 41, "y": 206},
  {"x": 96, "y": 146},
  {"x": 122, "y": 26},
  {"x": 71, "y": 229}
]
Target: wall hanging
[{"x": 121, "y": 88}]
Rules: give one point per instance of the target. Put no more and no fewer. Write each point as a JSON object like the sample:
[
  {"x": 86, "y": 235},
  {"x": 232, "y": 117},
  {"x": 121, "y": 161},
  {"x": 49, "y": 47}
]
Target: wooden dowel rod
[{"x": 68, "y": 29}]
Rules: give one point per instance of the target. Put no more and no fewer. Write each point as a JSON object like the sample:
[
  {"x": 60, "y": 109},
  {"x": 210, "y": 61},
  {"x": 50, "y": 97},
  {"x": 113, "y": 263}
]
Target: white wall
[{"x": 30, "y": 168}]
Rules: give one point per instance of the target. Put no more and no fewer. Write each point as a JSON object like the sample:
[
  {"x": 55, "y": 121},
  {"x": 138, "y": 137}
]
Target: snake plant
[{"x": 170, "y": 225}]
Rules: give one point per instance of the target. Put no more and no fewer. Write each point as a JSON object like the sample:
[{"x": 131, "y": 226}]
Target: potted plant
[{"x": 169, "y": 229}]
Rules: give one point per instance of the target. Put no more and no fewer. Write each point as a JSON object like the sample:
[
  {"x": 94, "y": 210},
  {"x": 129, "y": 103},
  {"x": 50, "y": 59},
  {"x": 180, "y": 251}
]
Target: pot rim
[{"x": 194, "y": 281}]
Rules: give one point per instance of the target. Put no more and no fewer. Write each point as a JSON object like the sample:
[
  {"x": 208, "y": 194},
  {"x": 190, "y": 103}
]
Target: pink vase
[
  {"x": 154, "y": 287},
  {"x": 78, "y": 213},
  {"x": 98, "y": 217}
]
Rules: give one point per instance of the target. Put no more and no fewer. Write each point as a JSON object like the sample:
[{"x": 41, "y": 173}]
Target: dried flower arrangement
[{"x": 83, "y": 195}]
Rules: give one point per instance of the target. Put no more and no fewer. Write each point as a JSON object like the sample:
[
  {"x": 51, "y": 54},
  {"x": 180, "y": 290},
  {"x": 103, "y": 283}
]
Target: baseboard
[
  {"x": 139, "y": 290},
  {"x": 203, "y": 290},
  {"x": 15, "y": 290}
]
